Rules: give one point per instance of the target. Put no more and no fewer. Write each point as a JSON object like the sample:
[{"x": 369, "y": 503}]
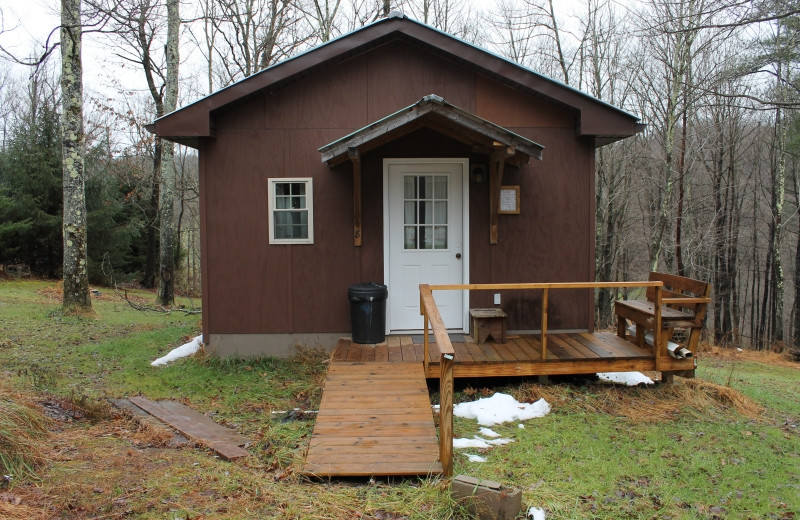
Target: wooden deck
[
  {"x": 521, "y": 355},
  {"x": 374, "y": 419}
]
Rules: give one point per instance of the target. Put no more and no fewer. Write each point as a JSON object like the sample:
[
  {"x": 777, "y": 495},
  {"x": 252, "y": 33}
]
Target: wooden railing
[
  {"x": 432, "y": 317},
  {"x": 447, "y": 358}
]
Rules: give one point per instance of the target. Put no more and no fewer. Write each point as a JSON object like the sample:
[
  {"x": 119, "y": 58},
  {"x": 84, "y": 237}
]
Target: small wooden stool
[{"x": 488, "y": 322}]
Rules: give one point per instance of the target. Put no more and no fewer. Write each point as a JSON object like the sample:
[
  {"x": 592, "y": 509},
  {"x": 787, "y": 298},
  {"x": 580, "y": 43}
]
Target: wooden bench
[
  {"x": 682, "y": 305},
  {"x": 488, "y": 322}
]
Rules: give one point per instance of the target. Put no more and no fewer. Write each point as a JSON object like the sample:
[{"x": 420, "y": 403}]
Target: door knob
[{"x": 458, "y": 256}]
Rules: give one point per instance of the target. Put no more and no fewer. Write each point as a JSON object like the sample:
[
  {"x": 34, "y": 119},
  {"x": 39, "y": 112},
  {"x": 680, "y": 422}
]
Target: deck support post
[{"x": 446, "y": 414}]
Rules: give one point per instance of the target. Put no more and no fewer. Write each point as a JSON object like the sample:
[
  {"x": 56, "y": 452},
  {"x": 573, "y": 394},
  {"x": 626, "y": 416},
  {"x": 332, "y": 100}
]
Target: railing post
[
  {"x": 545, "y": 297},
  {"x": 657, "y": 327},
  {"x": 446, "y": 414},
  {"x": 426, "y": 342}
]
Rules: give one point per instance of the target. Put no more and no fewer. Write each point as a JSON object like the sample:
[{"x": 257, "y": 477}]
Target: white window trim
[{"x": 309, "y": 207}]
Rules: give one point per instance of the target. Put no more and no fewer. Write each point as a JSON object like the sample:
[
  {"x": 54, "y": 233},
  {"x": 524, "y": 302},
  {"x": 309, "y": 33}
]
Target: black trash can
[{"x": 368, "y": 312}]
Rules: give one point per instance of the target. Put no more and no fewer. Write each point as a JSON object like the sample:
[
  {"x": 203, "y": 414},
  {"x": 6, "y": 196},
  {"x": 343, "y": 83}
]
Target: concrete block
[{"x": 486, "y": 499}]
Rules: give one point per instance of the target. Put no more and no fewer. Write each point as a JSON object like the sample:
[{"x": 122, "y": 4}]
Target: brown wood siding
[
  {"x": 247, "y": 279},
  {"x": 255, "y": 287},
  {"x": 401, "y": 74},
  {"x": 547, "y": 241},
  {"x": 333, "y": 98},
  {"x": 510, "y": 108}
]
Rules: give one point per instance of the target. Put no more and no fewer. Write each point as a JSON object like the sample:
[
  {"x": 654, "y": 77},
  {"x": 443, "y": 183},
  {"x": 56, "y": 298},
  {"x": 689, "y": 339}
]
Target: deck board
[
  {"x": 521, "y": 355},
  {"x": 374, "y": 419}
]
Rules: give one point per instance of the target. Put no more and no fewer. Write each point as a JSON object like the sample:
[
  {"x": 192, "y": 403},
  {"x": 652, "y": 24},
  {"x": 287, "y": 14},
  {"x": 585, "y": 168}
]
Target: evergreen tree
[{"x": 30, "y": 194}]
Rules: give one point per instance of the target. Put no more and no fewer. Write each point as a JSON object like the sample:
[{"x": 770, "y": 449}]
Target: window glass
[
  {"x": 425, "y": 211},
  {"x": 290, "y": 211}
]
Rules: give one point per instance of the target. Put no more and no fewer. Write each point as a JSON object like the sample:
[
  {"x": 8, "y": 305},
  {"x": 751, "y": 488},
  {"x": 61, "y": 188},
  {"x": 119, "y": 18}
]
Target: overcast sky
[{"x": 26, "y": 25}]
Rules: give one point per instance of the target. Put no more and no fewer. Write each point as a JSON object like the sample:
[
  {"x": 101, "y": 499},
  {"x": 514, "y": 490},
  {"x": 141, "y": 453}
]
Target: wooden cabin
[{"x": 397, "y": 154}]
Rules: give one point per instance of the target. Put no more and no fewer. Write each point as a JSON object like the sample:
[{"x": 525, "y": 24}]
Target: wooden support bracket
[
  {"x": 355, "y": 158},
  {"x": 497, "y": 163}
]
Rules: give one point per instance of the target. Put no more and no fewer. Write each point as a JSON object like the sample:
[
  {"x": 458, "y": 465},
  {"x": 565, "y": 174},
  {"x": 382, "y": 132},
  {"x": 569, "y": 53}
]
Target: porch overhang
[
  {"x": 437, "y": 114},
  {"x": 500, "y": 144}
]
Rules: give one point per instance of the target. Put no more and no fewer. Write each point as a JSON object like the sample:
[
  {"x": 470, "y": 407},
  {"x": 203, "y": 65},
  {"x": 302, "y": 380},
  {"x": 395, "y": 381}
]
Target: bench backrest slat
[{"x": 679, "y": 287}]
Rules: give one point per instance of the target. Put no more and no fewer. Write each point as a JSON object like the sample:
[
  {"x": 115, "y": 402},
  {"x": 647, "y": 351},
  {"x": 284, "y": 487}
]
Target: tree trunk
[
  {"x": 76, "y": 279},
  {"x": 166, "y": 291}
]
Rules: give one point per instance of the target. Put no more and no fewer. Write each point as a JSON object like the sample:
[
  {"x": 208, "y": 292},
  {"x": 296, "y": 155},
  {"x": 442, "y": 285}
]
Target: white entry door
[{"x": 424, "y": 238}]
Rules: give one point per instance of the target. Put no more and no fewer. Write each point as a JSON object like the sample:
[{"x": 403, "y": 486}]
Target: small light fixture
[{"x": 477, "y": 173}]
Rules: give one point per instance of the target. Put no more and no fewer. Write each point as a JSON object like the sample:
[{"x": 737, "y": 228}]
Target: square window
[{"x": 291, "y": 210}]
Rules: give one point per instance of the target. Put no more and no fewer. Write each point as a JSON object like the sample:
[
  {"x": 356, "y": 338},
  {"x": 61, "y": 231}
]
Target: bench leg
[
  {"x": 621, "y": 327},
  {"x": 667, "y": 378}
]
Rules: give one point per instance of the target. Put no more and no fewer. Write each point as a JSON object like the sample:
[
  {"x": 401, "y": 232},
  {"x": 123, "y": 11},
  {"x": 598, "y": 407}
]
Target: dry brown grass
[
  {"x": 769, "y": 357},
  {"x": 15, "y": 507},
  {"x": 23, "y": 427},
  {"x": 646, "y": 404}
]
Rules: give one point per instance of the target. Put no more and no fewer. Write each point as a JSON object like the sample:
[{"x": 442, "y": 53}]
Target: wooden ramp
[{"x": 374, "y": 419}]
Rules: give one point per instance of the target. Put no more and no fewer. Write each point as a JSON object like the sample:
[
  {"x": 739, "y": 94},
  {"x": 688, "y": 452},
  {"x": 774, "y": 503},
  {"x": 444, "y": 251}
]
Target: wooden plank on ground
[
  {"x": 367, "y": 353},
  {"x": 382, "y": 353},
  {"x": 354, "y": 353},
  {"x": 196, "y": 426},
  {"x": 395, "y": 354},
  {"x": 374, "y": 419},
  {"x": 409, "y": 354},
  {"x": 340, "y": 352}
]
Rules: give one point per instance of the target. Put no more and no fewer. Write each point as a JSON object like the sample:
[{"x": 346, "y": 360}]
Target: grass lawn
[{"x": 725, "y": 445}]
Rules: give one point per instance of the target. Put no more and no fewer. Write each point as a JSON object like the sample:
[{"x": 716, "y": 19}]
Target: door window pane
[{"x": 425, "y": 205}]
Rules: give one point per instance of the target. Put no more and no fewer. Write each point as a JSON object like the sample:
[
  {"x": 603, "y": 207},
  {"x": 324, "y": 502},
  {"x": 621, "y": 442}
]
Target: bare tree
[
  {"x": 166, "y": 203},
  {"x": 76, "y": 280},
  {"x": 254, "y": 34}
]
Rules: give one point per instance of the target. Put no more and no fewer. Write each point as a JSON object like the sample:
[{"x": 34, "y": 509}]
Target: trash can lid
[{"x": 367, "y": 290}]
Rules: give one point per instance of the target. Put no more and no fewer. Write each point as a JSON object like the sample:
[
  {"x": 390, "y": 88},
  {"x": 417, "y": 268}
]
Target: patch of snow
[
  {"x": 486, "y": 432},
  {"x": 499, "y": 442},
  {"x": 475, "y": 458},
  {"x": 500, "y": 408},
  {"x": 477, "y": 442},
  {"x": 625, "y": 378},
  {"x": 521, "y": 426},
  {"x": 185, "y": 350},
  {"x": 534, "y": 513}
]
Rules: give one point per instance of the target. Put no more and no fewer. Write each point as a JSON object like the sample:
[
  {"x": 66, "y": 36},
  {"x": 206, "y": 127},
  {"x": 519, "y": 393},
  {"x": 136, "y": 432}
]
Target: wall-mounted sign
[{"x": 509, "y": 200}]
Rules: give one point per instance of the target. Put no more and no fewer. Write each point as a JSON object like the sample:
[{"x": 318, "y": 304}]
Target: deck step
[{"x": 374, "y": 419}]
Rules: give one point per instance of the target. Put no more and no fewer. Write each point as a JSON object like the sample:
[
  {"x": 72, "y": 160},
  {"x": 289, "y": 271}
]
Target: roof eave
[{"x": 338, "y": 151}]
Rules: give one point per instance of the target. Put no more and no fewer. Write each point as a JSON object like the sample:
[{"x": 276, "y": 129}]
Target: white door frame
[{"x": 464, "y": 162}]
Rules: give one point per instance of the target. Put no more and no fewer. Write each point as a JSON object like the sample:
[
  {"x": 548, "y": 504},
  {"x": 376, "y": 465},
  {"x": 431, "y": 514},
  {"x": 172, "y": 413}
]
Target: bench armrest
[{"x": 687, "y": 299}]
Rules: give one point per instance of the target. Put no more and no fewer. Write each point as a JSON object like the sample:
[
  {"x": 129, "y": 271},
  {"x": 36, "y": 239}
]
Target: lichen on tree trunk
[
  {"x": 76, "y": 280},
  {"x": 166, "y": 290}
]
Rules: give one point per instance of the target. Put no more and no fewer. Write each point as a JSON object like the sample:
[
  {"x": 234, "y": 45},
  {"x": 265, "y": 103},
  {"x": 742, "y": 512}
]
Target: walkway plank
[
  {"x": 374, "y": 419},
  {"x": 196, "y": 426}
]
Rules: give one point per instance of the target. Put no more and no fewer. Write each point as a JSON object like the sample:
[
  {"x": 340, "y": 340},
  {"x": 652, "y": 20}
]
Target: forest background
[{"x": 710, "y": 189}]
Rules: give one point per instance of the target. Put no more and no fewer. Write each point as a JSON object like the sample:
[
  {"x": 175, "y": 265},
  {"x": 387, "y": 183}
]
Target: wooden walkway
[
  {"x": 374, "y": 419},
  {"x": 521, "y": 355}
]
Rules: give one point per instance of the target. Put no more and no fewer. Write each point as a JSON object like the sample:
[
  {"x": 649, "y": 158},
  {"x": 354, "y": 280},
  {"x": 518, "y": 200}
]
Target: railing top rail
[
  {"x": 547, "y": 285},
  {"x": 437, "y": 324}
]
